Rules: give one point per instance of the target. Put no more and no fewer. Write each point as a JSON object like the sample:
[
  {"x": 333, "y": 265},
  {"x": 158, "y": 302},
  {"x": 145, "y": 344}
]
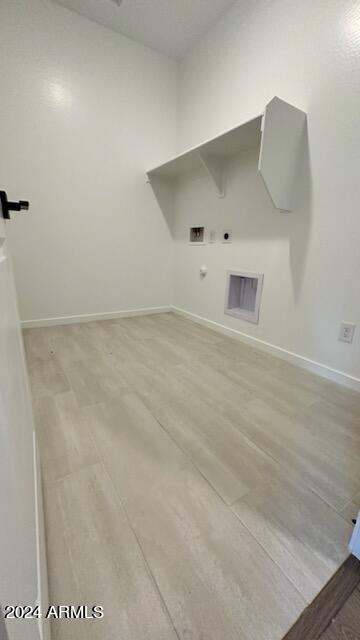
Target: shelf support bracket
[
  {"x": 215, "y": 170},
  {"x": 164, "y": 194}
]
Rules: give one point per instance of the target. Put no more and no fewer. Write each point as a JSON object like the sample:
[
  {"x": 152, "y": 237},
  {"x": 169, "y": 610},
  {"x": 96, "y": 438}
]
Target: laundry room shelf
[{"x": 278, "y": 133}]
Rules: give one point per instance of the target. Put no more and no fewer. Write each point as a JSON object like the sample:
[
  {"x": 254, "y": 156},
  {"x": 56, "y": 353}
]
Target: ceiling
[{"x": 170, "y": 26}]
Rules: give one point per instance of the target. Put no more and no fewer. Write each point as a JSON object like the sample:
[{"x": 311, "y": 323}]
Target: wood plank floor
[
  {"x": 195, "y": 487},
  {"x": 346, "y": 625}
]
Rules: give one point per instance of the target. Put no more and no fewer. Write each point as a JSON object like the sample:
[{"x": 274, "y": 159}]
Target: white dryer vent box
[{"x": 243, "y": 295}]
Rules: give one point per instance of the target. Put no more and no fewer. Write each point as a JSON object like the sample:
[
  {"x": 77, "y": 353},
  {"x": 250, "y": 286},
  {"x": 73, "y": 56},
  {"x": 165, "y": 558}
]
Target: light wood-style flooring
[{"x": 195, "y": 487}]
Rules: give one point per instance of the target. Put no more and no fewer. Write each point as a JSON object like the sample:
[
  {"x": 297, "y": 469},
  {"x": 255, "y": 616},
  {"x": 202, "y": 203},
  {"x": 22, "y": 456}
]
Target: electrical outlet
[
  {"x": 227, "y": 236},
  {"x": 347, "y": 330}
]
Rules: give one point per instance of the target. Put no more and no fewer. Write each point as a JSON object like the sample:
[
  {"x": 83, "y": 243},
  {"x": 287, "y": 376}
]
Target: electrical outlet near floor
[{"x": 347, "y": 330}]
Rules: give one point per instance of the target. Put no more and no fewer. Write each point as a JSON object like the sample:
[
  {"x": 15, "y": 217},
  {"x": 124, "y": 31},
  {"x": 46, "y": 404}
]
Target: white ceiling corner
[{"x": 169, "y": 26}]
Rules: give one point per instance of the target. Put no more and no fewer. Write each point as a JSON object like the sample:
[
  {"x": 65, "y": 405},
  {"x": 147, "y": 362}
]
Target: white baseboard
[
  {"x": 301, "y": 361},
  {"x": 91, "y": 317},
  {"x": 294, "y": 358}
]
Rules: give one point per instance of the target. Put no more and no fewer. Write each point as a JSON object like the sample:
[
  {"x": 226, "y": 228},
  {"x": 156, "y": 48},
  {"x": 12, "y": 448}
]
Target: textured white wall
[
  {"x": 84, "y": 112},
  {"x": 309, "y": 54}
]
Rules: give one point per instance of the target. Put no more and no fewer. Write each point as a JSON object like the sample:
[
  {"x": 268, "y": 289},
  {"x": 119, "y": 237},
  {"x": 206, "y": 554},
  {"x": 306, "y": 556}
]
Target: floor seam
[
  {"x": 190, "y": 461},
  {"x": 271, "y": 558},
  {"x": 296, "y": 473},
  {"x": 229, "y": 507},
  {"x": 142, "y": 553}
]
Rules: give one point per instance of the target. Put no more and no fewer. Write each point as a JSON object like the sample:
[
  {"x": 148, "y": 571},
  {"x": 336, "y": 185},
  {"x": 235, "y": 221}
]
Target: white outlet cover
[
  {"x": 226, "y": 236},
  {"x": 347, "y": 330}
]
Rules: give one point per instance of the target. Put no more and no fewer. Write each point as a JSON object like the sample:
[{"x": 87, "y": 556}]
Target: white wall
[
  {"x": 84, "y": 111},
  {"x": 307, "y": 53}
]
